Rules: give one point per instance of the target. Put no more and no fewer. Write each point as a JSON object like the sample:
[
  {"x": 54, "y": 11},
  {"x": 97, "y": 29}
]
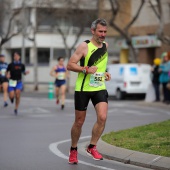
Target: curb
[{"x": 133, "y": 157}]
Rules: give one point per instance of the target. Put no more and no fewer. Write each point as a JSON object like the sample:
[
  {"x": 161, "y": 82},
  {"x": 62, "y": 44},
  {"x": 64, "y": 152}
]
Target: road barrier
[{"x": 50, "y": 90}]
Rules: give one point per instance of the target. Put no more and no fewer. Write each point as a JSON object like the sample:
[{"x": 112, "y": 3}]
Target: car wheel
[{"x": 119, "y": 94}]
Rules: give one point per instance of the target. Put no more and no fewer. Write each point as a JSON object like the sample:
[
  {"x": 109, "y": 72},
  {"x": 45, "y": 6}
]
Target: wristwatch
[{"x": 85, "y": 70}]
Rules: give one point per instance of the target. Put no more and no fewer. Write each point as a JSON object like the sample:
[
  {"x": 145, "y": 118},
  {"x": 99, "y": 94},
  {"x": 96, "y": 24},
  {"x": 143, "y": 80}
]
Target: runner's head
[
  {"x": 16, "y": 57},
  {"x": 99, "y": 30},
  {"x": 2, "y": 58},
  {"x": 61, "y": 60}
]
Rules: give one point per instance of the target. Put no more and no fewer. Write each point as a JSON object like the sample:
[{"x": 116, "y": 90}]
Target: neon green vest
[{"x": 95, "y": 57}]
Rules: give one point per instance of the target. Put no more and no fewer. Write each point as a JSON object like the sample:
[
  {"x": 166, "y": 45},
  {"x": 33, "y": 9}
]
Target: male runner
[
  {"x": 90, "y": 84},
  {"x": 14, "y": 73},
  {"x": 3, "y": 78}
]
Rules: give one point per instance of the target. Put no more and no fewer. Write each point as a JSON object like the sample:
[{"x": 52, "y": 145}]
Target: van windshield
[{"x": 133, "y": 71}]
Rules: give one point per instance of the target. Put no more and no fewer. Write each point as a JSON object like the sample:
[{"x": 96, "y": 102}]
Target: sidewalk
[
  {"x": 159, "y": 105},
  {"x": 133, "y": 157}
]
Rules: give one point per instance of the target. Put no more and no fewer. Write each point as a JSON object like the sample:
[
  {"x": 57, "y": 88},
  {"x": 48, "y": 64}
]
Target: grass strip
[{"x": 152, "y": 138}]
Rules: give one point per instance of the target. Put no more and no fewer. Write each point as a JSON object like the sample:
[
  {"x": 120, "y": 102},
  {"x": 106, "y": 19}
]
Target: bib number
[
  {"x": 96, "y": 79},
  {"x": 12, "y": 83},
  {"x": 61, "y": 76},
  {"x": 3, "y": 71}
]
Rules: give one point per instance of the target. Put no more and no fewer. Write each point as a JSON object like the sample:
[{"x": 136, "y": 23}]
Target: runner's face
[
  {"x": 100, "y": 33},
  {"x": 16, "y": 57},
  {"x": 2, "y": 59},
  {"x": 61, "y": 61}
]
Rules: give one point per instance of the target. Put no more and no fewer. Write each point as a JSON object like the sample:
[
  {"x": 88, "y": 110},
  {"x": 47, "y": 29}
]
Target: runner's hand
[
  {"x": 92, "y": 69},
  {"x": 27, "y": 72},
  {"x": 107, "y": 76}
]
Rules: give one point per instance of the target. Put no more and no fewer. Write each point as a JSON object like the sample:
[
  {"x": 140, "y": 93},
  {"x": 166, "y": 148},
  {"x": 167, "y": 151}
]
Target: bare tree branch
[
  {"x": 77, "y": 37},
  {"x": 154, "y": 9},
  {"x": 135, "y": 17},
  {"x": 8, "y": 35},
  {"x": 4, "y": 40},
  {"x": 115, "y": 6},
  {"x": 160, "y": 32},
  {"x": 10, "y": 23},
  {"x": 161, "y": 18}
]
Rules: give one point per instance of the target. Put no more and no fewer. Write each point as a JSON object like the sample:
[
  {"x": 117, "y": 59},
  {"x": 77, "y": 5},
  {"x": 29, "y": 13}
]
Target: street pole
[{"x": 23, "y": 39}]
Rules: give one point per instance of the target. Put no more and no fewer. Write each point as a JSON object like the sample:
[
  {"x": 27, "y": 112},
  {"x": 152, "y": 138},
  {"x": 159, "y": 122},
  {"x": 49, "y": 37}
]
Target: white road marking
[
  {"x": 154, "y": 160},
  {"x": 54, "y": 149},
  {"x": 35, "y": 110},
  {"x": 112, "y": 110}
]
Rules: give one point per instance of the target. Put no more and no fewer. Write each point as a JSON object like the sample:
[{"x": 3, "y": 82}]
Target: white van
[{"x": 128, "y": 79}]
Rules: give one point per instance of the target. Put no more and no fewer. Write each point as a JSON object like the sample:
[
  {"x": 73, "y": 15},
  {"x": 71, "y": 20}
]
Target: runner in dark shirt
[
  {"x": 3, "y": 78},
  {"x": 14, "y": 73}
]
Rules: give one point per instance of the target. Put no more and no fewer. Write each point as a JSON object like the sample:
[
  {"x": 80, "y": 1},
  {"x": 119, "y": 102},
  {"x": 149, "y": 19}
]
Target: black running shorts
[
  {"x": 3, "y": 80},
  {"x": 82, "y": 98}
]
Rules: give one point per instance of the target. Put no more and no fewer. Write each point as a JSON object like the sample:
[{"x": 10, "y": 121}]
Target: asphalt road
[{"x": 39, "y": 137}]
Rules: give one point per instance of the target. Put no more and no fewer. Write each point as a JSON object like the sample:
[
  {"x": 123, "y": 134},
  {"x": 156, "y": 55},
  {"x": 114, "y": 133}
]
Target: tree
[
  {"x": 124, "y": 32},
  {"x": 68, "y": 20},
  {"x": 7, "y": 22},
  {"x": 157, "y": 9}
]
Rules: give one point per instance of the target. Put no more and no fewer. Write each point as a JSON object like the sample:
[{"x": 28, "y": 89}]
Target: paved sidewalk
[
  {"x": 159, "y": 105},
  {"x": 133, "y": 157}
]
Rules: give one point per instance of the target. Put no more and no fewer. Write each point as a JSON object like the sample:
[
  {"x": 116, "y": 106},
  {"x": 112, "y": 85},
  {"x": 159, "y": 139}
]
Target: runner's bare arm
[
  {"x": 26, "y": 72},
  {"x": 107, "y": 75},
  {"x": 8, "y": 75},
  {"x": 52, "y": 72},
  {"x": 67, "y": 75},
  {"x": 80, "y": 52}
]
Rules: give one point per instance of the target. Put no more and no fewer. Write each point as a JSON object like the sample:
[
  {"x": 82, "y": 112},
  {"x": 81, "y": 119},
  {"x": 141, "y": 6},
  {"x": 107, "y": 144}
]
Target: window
[
  {"x": 59, "y": 53},
  {"x": 43, "y": 55}
]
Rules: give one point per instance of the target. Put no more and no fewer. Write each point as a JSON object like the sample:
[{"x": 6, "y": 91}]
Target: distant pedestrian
[
  {"x": 60, "y": 73},
  {"x": 3, "y": 79},
  {"x": 14, "y": 73},
  {"x": 164, "y": 78},
  {"x": 155, "y": 78}
]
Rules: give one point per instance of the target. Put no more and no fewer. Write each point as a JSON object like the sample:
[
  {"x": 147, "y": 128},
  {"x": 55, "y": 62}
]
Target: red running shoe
[
  {"x": 73, "y": 157},
  {"x": 57, "y": 101},
  {"x": 94, "y": 153}
]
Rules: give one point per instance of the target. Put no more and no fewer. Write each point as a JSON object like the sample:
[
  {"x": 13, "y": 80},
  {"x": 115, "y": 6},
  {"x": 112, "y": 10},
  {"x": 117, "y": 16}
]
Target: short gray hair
[{"x": 98, "y": 21}]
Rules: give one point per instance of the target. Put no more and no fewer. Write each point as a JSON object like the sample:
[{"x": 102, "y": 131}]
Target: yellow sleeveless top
[{"x": 95, "y": 57}]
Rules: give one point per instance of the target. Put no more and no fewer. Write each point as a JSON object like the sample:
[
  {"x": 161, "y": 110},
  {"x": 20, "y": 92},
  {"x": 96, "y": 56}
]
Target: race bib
[
  {"x": 3, "y": 71},
  {"x": 96, "y": 79},
  {"x": 61, "y": 76},
  {"x": 12, "y": 83}
]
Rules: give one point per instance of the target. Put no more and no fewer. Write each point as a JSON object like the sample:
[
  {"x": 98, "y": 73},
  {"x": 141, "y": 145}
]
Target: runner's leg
[
  {"x": 101, "y": 111},
  {"x": 77, "y": 127},
  {"x": 11, "y": 95},
  {"x": 17, "y": 96},
  {"x": 63, "y": 94},
  {"x": 57, "y": 94},
  {"x": 5, "y": 90},
  {"x": 5, "y": 93}
]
